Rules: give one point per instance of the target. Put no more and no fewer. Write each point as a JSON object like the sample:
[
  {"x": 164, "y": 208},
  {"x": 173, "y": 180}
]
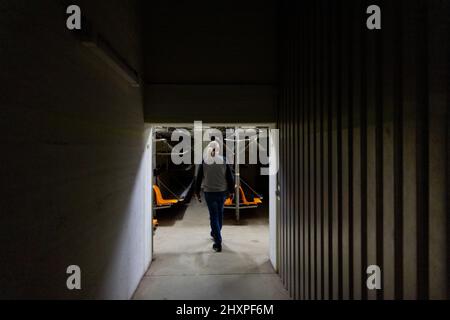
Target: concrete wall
[
  {"x": 364, "y": 154},
  {"x": 72, "y": 136},
  {"x": 213, "y": 61}
]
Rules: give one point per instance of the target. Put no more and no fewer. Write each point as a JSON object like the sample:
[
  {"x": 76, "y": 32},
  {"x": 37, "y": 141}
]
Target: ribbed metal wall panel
[{"x": 364, "y": 171}]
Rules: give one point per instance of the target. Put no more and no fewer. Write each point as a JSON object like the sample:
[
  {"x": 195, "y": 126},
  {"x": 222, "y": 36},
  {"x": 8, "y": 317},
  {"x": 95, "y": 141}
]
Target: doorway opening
[{"x": 181, "y": 242}]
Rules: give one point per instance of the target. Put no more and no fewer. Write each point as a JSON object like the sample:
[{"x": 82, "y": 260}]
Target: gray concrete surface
[{"x": 186, "y": 267}]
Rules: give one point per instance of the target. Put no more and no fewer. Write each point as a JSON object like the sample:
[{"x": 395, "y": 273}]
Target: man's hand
[{"x": 199, "y": 198}]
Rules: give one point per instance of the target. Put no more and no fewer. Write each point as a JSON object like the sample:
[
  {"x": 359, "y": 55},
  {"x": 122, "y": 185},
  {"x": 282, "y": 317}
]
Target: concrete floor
[{"x": 186, "y": 268}]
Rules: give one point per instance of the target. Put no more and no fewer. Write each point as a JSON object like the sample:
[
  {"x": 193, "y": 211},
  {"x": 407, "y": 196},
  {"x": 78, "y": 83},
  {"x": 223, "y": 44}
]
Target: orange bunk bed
[
  {"x": 162, "y": 203},
  {"x": 244, "y": 203}
]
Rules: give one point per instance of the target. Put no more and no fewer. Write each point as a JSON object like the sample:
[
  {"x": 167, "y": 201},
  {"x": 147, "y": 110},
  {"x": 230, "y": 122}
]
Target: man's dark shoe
[{"x": 217, "y": 247}]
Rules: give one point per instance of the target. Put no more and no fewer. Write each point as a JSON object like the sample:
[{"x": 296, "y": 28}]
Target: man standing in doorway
[{"x": 216, "y": 179}]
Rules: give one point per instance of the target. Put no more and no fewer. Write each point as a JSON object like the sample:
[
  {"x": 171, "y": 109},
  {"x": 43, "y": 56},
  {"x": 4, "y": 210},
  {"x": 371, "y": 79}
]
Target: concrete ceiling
[{"x": 210, "y": 42}]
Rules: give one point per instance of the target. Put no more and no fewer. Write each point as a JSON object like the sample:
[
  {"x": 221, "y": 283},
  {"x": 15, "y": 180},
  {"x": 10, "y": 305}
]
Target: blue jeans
[{"x": 215, "y": 202}]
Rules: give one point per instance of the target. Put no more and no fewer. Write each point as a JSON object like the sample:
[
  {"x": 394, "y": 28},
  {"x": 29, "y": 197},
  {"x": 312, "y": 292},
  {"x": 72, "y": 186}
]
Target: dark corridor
[{"x": 362, "y": 114}]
